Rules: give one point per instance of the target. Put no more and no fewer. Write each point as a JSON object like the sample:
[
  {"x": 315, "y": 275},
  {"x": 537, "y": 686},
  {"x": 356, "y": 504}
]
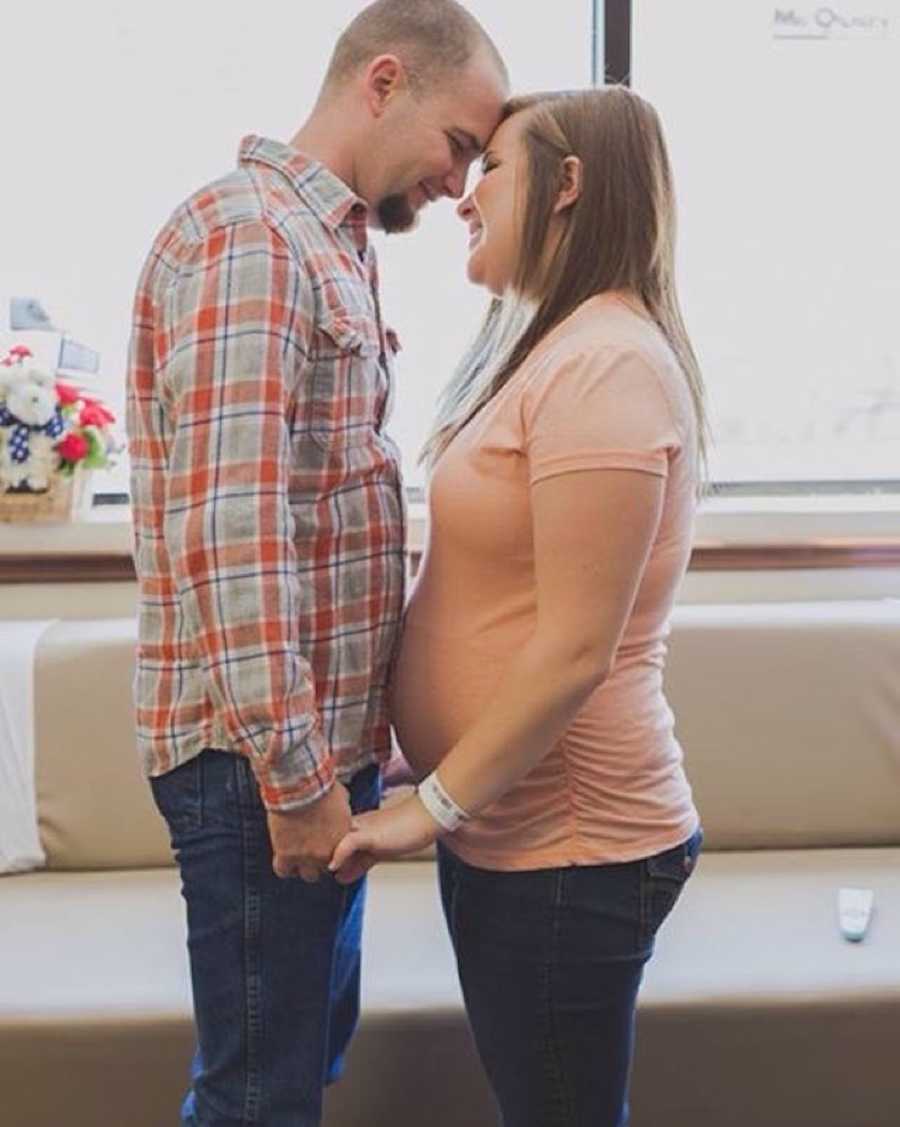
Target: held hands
[
  {"x": 304, "y": 840},
  {"x": 324, "y": 837},
  {"x": 394, "y": 831}
]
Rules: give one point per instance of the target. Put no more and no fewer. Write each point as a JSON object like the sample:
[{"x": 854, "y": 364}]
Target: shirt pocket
[{"x": 348, "y": 387}]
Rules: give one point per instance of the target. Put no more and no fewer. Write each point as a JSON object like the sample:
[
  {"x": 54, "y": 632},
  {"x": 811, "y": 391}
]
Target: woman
[{"x": 528, "y": 689}]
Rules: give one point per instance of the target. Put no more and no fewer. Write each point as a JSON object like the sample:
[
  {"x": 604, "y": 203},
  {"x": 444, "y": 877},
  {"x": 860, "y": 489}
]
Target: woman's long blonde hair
[{"x": 620, "y": 235}]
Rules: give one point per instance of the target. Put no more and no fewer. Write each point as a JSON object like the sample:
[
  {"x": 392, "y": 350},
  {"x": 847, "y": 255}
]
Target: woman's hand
[{"x": 405, "y": 827}]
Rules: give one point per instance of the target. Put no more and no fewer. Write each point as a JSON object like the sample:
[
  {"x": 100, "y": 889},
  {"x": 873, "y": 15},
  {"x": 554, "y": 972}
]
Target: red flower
[
  {"x": 66, "y": 394},
  {"x": 94, "y": 414},
  {"x": 73, "y": 447},
  {"x": 16, "y": 355}
]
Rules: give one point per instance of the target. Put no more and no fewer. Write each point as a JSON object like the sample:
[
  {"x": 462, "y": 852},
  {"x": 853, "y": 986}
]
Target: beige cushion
[
  {"x": 95, "y": 809},
  {"x": 754, "y": 1011},
  {"x": 789, "y": 715},
  {"x": 94, "y": 803}
]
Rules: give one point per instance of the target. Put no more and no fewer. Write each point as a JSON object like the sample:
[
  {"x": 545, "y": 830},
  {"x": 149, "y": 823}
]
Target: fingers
[
  {"x": 309, "y": 873},
  {"x": 282, "y": 867},
  {"x": 353, "y": 857},
  {"x": 286, "y": 869},
  {"x": 351, "y": 843},
  {"x": 350, "y": 857},
  {"x": 357, "y": 867}
]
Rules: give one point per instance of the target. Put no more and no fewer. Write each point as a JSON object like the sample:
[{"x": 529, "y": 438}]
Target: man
[{"x": 269, "y": 539}]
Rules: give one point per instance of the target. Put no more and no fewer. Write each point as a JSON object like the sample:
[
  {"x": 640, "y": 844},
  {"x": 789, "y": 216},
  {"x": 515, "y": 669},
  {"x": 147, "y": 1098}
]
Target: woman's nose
[{"x": 466, "y": 208}]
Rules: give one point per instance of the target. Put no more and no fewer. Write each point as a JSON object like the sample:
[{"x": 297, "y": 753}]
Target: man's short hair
[{"x": 432, "y": 38}]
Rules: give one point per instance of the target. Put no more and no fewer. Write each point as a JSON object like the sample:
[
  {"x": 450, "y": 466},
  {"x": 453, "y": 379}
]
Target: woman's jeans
[
  {"x": 274, "y": 962},
  {"x": 550, "y": 962}
]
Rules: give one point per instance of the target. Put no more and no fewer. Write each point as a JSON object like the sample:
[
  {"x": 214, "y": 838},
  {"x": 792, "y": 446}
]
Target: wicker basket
[{"x": 62, "y": 502}]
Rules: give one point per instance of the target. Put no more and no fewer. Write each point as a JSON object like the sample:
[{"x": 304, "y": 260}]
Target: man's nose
[{"x": 455, "y": 183}]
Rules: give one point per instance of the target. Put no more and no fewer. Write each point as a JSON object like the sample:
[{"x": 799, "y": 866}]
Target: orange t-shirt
[{"x": 602, "y": 390}]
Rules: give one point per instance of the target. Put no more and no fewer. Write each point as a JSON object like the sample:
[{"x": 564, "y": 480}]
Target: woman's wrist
[{"x": 442, "y": 807}]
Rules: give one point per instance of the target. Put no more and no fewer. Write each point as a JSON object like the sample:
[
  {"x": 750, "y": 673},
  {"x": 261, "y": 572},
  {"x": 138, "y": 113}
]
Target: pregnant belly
[{"x": 439, "y": 689}]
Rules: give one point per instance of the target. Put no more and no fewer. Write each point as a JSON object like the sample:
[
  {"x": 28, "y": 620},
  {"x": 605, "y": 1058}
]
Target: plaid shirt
[{"x": 267, "y": 500}]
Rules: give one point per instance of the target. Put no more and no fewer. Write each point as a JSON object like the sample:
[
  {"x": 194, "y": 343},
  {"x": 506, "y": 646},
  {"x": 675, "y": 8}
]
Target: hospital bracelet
[{"x": 440, "y": 805}]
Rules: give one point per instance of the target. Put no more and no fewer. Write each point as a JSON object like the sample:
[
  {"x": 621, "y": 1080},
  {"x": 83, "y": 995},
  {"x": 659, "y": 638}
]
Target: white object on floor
[
  {"x": 20, "y": 843},
  {"x": 854, "y": 912}
]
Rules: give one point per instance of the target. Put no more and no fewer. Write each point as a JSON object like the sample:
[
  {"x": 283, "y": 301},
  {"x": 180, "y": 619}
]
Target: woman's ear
[{"x": 570, "y": 186}]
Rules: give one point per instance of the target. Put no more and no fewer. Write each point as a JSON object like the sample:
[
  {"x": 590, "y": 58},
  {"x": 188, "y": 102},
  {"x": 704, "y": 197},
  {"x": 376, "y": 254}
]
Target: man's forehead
[{"x": 476, "y": 114}]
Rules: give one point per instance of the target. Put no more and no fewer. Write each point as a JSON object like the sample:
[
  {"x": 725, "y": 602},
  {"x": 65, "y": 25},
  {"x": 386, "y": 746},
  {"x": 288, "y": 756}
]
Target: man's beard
[{"x": 396, "y": 214}]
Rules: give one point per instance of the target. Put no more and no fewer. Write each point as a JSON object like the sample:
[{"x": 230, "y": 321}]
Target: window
[{"x": 781, "y": 124}]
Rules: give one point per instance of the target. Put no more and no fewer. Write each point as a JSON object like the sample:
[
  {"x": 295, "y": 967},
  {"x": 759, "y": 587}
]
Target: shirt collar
[{"x": 326, "y": 194}]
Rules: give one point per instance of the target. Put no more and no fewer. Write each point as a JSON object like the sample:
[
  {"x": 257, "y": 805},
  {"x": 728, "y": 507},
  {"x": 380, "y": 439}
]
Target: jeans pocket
[
  {"x": 178, "y": 795},
  {"x": 663, "y": 878},
  {"x": 601, "y": 912}
]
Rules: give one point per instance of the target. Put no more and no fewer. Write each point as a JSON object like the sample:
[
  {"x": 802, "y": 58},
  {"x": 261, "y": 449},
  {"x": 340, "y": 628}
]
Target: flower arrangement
[
  {"x": 49, "y": 429},
  {"x": 88, "y": 442}
]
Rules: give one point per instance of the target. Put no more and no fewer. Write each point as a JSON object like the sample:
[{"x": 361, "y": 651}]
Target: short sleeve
[{"x": 606, "y": 409}]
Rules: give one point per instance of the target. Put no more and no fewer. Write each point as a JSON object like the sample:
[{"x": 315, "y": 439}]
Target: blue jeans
[
  {"x": 275, "y": 963},
  {"x": 550, "y": 962}
]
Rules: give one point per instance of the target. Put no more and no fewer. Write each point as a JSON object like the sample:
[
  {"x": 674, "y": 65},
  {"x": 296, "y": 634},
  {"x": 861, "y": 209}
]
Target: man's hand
[{"x": 303, "y": 841}]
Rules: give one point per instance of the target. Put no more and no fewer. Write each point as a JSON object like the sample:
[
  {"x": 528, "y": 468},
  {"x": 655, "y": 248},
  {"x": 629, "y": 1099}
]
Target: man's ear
[
  {"x": 384, "y": 78},
  {"x": 570, "y": 184}
]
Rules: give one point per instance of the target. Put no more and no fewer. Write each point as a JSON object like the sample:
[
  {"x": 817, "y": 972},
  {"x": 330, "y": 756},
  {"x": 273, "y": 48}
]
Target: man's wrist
[
  {"x": 297, "y": 809},
  {"x": 282, "y": 796}
]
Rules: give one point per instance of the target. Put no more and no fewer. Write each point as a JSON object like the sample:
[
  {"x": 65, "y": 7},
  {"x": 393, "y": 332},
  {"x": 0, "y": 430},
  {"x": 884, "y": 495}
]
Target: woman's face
[{"x": 493, "y": 210}]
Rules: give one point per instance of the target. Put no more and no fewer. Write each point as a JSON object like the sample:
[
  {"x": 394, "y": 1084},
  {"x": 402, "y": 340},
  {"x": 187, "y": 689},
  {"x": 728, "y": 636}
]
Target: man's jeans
[
  {"x": 550, "y": 963},
  {"x": 274, "y": 962}
]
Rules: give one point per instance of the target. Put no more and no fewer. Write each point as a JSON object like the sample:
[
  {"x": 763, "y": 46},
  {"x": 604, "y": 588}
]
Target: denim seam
[
  {"x": 454, "y": 906},
  {"x": 564, "y": 1104},
  {"x": 326, "y": 1040},
  {"x": 200, "y": 781},
  {"x": 253, "y": 1026},
  {"x": 644, "y": 914},
  {"x": 651, "y": 884}
]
